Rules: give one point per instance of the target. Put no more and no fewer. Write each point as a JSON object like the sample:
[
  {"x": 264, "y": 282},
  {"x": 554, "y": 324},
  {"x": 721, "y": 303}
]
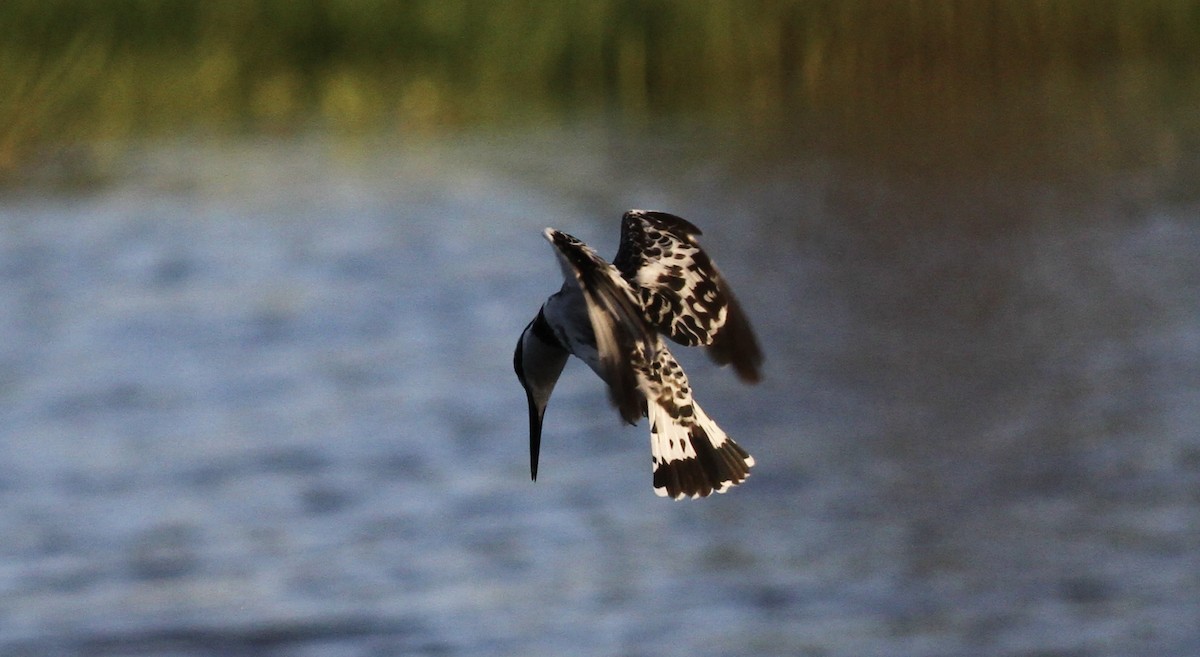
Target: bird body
[{"x": 613, "y": 317}]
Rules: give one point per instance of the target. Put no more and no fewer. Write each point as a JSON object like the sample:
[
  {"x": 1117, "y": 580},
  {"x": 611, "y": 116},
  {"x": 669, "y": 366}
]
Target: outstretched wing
[
  {"x": 681, "y": 291},
  {"x": 617, "y": 321}
]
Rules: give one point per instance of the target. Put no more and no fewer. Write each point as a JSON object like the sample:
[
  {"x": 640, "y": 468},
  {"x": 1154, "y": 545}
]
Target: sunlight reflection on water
[{"x": 259, "y": 396}]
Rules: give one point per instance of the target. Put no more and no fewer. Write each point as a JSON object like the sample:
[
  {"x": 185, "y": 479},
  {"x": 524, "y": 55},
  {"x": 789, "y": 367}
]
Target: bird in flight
[{"x": 613, "y": 317}]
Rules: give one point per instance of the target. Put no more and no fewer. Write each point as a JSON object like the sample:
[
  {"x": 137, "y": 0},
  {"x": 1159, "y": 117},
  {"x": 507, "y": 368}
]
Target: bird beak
[{"x": 535, "y": 434}]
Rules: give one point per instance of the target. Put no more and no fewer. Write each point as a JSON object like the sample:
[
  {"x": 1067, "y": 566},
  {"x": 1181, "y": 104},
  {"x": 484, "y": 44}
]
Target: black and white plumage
[{"x": 613, "y": 317}]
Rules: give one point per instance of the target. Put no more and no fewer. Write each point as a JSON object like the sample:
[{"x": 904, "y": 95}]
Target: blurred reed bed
[{"x": 87, "y": 72}]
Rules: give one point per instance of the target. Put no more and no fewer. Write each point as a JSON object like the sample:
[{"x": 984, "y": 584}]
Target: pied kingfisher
[{"x": 613, "y": 317}]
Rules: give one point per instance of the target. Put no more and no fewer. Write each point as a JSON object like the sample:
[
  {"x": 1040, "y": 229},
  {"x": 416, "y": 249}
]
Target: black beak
[{"x": 535, "y": 435}]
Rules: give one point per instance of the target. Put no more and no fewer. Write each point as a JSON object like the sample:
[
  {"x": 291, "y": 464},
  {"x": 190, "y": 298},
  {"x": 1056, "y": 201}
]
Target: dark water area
[{"x": 256, "y": 398}]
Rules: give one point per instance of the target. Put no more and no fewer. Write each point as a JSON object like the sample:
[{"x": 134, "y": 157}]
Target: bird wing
[
  {"x": 681, "y": 291},
  {"x": 616, "y": 317}
]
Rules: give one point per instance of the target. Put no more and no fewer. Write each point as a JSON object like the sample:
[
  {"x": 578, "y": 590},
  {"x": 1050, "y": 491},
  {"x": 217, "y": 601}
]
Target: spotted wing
[
  {"x": 616, "y": 317},
  {"x": 682, "y": 292}
]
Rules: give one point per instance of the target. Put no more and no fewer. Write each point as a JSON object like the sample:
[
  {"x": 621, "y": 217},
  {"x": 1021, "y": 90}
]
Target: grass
[{"x": 77, "y": 72}]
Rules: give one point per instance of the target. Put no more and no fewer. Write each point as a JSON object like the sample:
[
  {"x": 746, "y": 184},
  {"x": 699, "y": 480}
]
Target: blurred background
[{"x": 263, "y": 265}]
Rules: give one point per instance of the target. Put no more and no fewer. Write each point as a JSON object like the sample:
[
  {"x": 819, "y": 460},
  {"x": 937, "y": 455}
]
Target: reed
[{"x": 82, "y": 71}]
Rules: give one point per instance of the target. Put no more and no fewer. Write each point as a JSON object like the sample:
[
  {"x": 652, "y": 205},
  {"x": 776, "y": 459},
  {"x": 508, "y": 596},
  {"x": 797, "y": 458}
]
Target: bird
[{"x": 614, "y": 316}]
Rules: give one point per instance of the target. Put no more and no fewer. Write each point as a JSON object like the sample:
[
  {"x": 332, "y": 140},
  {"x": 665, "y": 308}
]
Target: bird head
[{"x": 538, "y": 360}]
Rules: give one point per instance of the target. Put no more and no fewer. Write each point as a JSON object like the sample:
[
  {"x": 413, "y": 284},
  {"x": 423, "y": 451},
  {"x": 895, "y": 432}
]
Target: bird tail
[{"x": 692, "y": 455}]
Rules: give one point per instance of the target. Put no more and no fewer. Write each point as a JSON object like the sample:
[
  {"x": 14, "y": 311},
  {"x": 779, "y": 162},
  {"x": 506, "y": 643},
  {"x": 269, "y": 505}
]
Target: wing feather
[
  {"x": 681, "y": 291},
  {"x": 617, "y": 321}
]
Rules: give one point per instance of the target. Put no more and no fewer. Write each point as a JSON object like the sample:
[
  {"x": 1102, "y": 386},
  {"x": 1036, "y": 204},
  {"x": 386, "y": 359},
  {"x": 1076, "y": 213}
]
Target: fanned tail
[{"x": 692, "y": 455}]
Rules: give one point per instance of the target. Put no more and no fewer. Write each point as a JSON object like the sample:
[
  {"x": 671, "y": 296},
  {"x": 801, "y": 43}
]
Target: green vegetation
[{"x": 73, "y": 71}]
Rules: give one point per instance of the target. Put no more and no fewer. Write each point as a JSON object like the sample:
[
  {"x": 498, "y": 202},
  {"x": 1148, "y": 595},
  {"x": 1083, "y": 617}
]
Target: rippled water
[{"x": 257, "y": 399}]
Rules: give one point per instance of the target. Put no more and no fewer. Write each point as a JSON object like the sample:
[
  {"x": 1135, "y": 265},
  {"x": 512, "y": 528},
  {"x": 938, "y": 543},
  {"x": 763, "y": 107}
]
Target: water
[{"x": 258, "y": 399}]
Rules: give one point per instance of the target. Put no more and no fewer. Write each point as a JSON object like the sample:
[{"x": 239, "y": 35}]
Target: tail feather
[{"x": 692, "y": 455}]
